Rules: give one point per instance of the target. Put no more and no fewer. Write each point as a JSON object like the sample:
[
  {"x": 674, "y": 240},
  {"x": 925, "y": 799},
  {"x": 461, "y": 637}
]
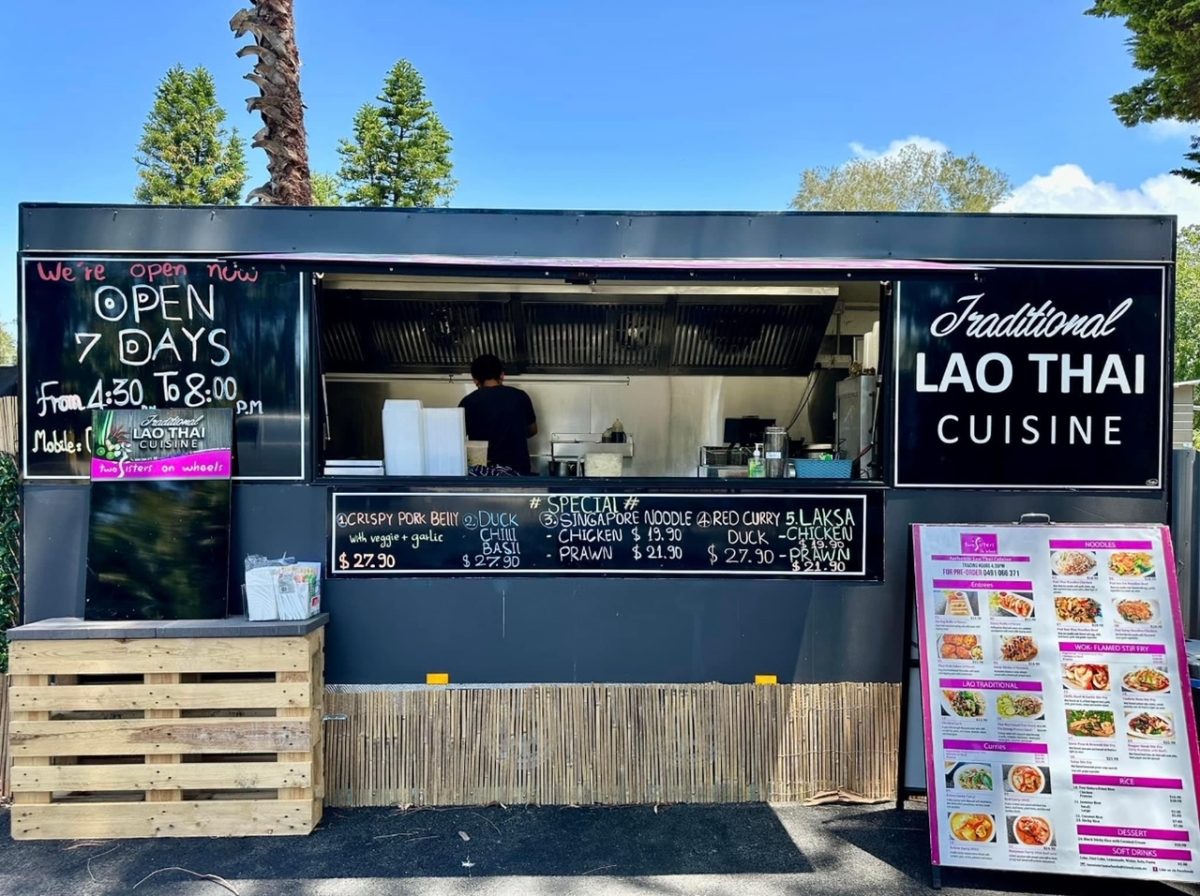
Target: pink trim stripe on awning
[{"x": 610, "y": 263}]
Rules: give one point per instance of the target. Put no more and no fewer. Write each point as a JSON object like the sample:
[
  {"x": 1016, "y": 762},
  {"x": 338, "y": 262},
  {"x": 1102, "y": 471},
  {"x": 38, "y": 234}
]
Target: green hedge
[{"x": 10, "y": 550}]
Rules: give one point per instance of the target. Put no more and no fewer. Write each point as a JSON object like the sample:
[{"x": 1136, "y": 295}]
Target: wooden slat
[
  {"x": 154, "y": 679},
  {"x": 209, "y": 818},
  {"x": 30, "y": 717},
  {"x": 120, "y": 737},
  {"x": 220, "y": 695},
  {"x": 183, "y": 776},
  {"x": 138, "y": 656}
]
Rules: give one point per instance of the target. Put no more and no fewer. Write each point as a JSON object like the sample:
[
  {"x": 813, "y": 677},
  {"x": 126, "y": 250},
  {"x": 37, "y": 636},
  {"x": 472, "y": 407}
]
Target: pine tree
[
  {"x": 400, "y": 154},
  {"x": 185, "y": 156}
]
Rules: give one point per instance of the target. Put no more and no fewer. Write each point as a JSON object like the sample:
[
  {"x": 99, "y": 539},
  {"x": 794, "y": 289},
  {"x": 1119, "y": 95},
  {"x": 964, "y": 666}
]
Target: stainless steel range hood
[
  {"x": 718, "y": 330},
  {"x": 430, "y": 313}
]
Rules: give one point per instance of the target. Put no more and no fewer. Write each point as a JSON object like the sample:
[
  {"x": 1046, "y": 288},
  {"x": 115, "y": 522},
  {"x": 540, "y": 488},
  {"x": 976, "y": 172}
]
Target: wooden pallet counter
[{"x": 166, "y": 729}]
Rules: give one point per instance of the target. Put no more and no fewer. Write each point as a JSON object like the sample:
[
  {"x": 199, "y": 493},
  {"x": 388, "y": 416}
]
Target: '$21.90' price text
[{"x": 380, "y": 560}]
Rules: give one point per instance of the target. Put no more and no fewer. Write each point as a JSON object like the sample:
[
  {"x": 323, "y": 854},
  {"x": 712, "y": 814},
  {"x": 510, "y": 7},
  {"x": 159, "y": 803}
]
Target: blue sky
[{"x": 626, "y": 105}]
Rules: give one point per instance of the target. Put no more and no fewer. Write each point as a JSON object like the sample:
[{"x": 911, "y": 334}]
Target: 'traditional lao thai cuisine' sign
[
  {"x": 1046, "y": 377},
  {"x": 162, "y": 444}
]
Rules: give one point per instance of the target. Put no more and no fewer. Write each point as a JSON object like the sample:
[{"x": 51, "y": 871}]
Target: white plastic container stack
[
  {"x": 403, "y": 438},
  {"x": 445, "y": 441}
]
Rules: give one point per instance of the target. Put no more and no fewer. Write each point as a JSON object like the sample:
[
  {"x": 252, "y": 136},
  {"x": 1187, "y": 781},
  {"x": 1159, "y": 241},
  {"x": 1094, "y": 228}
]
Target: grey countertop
[{"x": 68, "y": 627}]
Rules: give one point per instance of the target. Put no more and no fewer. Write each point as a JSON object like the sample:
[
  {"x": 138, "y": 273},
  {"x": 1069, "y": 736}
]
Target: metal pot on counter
[{"x": 567, "y": 467}]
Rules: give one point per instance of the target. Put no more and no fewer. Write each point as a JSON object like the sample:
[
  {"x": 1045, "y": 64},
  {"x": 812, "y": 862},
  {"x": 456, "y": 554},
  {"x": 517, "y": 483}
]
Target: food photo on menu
[
  {"x": 963, "y": 604},
  {"x": 1030, "y": 830},
  {"x": 1136, "y": 610},
  {"x": 1151, "y": 726},
  {"x": 1146, "y": 680},
  {"x": 1131, "y": 564},
  {"x": 960, "y": 647},
  {"x": 1026, "y": 780},
  {"x": 972, "y": 827},
  {"x": 1020, "y": 707},
  {"x": 1093, "y": 724},
  {"x": 971, "y": 777},
  {"x": 964, "y": 704},
  {"x": 1086, "y": 677},
  {"x": 1016, "y": 648},
  {"x": 1073, "y": 564},
  {"x": 1011, "y": 604},
  {"x": 1077, "y": 610}
]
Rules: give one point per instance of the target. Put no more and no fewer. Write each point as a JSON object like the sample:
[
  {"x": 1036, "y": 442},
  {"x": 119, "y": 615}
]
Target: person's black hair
[{"x": 486, "y": 367}]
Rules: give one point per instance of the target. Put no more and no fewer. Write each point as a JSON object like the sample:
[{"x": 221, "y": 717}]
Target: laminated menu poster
[
  {"x": 1059, "y": 733},
  {"x": 148, "y": 443}
]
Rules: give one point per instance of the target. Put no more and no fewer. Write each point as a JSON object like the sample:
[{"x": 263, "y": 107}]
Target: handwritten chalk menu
[
  {"x": 171, "y": 443},
  {"x": 1059, "y": 733},
  {"x": 820, "y": 536},
  {"x": 107, "y": 334}
]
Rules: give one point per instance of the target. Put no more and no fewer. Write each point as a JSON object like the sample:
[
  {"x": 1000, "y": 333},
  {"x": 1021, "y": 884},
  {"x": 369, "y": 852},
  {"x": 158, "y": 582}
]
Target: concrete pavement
[{"x": 748, "y": 850}]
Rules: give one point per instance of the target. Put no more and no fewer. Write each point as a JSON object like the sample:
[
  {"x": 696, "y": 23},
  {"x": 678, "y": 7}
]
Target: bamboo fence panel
[{"x": 608, "y": 744}]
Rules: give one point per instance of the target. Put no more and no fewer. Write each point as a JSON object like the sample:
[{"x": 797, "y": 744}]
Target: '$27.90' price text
[{"x": 380, "y": 560}]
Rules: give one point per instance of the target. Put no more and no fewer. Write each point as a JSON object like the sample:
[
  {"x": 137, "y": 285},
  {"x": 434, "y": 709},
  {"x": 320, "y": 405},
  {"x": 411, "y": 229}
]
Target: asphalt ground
[{"x": 748, "y": 850}]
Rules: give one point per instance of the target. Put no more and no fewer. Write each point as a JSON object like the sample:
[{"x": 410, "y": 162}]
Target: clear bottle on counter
[
  {"x": 618, "y": 431},
  {"x": 754, "y": 466}
]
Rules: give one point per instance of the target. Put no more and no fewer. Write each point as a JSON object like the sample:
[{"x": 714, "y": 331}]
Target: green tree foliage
[
  {"x": 400, "y": 154},
  {"x": 8, "y": 347},
  {"x": 326, "y": 189},
  {"x": 1165, "y": 42},
  {"x": 10, "y": 550},
  {"x": 1187, "y": 304},
  {"x": 914, "y": 179},
  {"x": 186, "y": 157}
]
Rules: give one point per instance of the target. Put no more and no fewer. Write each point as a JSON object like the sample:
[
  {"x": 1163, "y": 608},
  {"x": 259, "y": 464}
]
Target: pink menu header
[
  {"x": 1093, "y": 544},
  {"x": 1099, "y": 647},
  {"x": 1128, "y": 781},
  {"x": 989, "y": 685},
  {"x": 974, "y": 585},
  {"x": 1128, "y": 833}
]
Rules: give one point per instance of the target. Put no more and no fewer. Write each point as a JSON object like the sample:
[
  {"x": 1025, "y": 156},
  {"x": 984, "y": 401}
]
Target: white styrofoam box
[
  {"x": 403, "y": 441},
  {"x": 260, "y": 594},
  {"x": 445, "y": 435},
  {"x": 602, "y": 464}
]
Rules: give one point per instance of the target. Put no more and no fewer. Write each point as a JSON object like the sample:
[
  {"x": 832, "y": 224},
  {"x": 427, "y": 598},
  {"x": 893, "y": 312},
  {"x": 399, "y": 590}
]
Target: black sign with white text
[
  {"x": 1032, "y": 377},
  {"x": 829, "y": 536}
]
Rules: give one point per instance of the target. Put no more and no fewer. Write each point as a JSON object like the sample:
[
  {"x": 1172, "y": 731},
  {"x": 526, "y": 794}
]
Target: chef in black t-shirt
[{"x": 500, "y": 415}]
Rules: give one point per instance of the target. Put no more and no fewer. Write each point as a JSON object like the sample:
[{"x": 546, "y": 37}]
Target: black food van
[{"x": 922, "y": 368}]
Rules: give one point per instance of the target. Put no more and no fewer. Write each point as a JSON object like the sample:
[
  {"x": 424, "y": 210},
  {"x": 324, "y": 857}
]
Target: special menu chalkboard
[
  {"x": 833, "y": 535},
  {"x": 102, "y": 333}
]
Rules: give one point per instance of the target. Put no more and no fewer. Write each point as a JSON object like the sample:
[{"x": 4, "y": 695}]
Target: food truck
[{"x": 601, "y": 623}]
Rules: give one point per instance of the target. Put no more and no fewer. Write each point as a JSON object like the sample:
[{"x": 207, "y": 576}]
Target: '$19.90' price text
[{"x": 380, "y": 560}]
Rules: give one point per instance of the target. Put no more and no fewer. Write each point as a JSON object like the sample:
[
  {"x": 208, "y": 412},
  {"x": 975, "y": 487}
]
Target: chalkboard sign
[
  {"x": 102, "y": 333},
  {"x": 834, "y": 535}
]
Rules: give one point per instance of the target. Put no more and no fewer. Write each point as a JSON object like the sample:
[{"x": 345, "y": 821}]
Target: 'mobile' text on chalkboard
[{"x": 836, "y": 535}]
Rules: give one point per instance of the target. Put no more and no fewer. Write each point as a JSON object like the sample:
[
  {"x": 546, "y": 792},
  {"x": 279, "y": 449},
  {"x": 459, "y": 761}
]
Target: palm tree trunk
[{"x": 277, "y": 74}]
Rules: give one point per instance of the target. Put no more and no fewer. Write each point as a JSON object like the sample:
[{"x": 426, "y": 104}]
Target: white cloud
[
  {"x": 1171, "y": 129},
  {"x": 1067, "y": 189},
  {"x": 926, "y": 143}
]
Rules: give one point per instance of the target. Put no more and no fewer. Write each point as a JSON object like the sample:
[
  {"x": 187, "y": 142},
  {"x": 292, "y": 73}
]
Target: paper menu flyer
[{"x": 1058, "y": 719}]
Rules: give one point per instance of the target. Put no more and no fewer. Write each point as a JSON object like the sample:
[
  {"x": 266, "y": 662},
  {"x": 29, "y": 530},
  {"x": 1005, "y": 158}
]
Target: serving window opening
[{"x": 634, "y": 379}]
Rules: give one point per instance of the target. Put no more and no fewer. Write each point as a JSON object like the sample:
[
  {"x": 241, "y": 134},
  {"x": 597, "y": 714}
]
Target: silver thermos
[{"x": 775, "y": 452}]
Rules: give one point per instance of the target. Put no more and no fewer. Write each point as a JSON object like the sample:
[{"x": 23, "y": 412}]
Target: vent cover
[{"x": 443, "y": 333}]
